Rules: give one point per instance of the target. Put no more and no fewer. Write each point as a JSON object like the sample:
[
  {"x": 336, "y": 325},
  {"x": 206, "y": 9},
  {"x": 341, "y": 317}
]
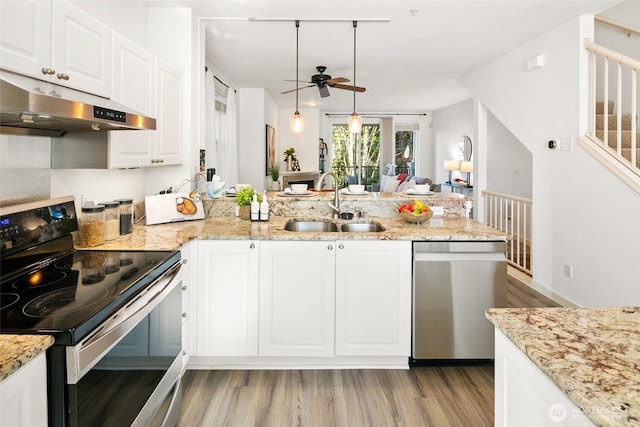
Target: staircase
[{"x": 612, "y": 133}]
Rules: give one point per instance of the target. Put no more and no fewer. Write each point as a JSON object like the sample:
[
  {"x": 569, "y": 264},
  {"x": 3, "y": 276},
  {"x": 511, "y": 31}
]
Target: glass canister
[
  {"x": 111, "y": 219},
  {"x": 126, "y": 215},
  {"x": 92, "y": 226}
]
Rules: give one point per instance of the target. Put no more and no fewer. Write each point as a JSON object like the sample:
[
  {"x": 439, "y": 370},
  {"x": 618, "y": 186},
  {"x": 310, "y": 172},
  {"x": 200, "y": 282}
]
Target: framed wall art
[{"x": 271, "y": 148}]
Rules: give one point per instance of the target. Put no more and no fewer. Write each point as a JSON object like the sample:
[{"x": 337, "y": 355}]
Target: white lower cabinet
[
  {"x": 226, "y": 298},
  {"x": 525, "y": 396},
  {"x": 312, "y": 300},
  {"x": 373, "y": 298},
  {"x": 23, "y": 395},
  {"x": 297, "y": 292}
]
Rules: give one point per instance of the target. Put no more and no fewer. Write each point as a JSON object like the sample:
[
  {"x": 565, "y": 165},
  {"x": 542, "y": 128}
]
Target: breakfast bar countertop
[
  {"x": 18, "y": 350},
  {"x": 591, "y": 354},
  {"x": 173, "y": 235}
]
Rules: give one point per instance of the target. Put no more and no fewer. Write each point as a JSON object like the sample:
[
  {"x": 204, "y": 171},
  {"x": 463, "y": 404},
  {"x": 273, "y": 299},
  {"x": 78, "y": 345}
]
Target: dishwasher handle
[{"x": 458, "y": 246}]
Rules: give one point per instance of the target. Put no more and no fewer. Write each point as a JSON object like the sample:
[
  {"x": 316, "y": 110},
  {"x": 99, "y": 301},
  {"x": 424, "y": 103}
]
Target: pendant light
[
  {"x": 354, "y": 123},
  {"x": 296, "y": 121}
]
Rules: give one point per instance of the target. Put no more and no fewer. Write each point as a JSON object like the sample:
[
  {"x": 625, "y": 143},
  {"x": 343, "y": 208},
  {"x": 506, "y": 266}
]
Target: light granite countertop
[
  {"x": 591, "y": 354},
  {"x": 17, "y": 350},
  {"x": 172, "y": 236}
]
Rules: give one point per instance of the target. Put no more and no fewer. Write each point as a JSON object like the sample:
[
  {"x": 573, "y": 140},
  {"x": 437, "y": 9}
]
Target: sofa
[{"x": 398, "y": 183}]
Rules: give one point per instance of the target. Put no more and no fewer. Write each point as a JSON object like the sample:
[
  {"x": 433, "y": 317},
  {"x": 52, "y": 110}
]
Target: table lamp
[
  {"x": 451, "y": 165},
  {"x": 467, "y": 167}
]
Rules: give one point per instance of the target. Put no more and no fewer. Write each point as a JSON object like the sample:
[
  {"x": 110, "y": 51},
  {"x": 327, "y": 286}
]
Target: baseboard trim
[{"x": 280, "y": 363}]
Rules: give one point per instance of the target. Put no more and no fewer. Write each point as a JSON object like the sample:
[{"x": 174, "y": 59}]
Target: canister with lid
[
  {"x": 126, "y": 215},
  {"x": 111, "y": 219},
  {"x": 92, "y": 226}
]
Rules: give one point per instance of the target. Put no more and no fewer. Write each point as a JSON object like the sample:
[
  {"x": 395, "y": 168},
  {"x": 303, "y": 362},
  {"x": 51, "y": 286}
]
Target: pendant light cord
[
  {"x": 297, "y": 79},
  {"x": 355, "y": 25}
]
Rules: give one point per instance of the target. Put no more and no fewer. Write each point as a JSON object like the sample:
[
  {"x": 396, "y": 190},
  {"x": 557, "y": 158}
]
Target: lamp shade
[
  {"x": 466, "y": 167},
  {"x": 452, "y": 165},
  {"x": 296, "y": 122},
  {"x": 354, "y": 123}
]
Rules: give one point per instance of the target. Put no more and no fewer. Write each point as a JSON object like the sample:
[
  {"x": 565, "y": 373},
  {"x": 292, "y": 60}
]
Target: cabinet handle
[
  {"x": 341, "y": 246},
  {"x": 330, "y": 247},
  {"x": 184, "y": 352},
  {"x": 184, "y": 288},
  {"x": 48, "y": 71},
  {"x": 63, "y": 76},
  {"x": 184, "y": 315},
  {"x": 160, "y": 160},
  {"x": 184, "y": 261},
  {"x": 252, "y": 246}
]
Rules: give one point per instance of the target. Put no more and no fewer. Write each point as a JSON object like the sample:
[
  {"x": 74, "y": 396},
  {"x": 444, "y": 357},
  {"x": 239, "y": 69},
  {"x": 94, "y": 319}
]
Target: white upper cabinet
[
  {"x": 169, "y": 116},
  {"x": 57, "y": 42}
]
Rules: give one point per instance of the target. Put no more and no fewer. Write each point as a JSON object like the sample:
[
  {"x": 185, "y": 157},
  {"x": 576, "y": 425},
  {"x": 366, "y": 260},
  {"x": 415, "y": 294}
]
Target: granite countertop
[
  {"x": 172, "y": 236},
  {"x": 591, "y": 354},
  {"x": 17, "y": 350}
]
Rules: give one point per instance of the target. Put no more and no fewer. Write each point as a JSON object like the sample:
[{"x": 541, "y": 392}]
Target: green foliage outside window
[{"x": 345, "y": 159}]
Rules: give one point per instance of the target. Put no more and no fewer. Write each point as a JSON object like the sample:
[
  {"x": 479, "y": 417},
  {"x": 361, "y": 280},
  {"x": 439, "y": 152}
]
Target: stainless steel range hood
[{"x": 33, "y": 107}]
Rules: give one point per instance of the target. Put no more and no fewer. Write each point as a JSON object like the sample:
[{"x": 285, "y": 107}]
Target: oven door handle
[{"x": 82, "y": 357}]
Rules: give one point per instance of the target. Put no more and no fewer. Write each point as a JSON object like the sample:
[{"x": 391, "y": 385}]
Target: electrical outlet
[
  {"x": 437, "y": 210},
  {"x": 568, "y": 271}
]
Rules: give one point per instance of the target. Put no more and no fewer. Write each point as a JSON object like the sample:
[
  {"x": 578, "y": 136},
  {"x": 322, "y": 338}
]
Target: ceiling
[{"x": 411, "y": 62}]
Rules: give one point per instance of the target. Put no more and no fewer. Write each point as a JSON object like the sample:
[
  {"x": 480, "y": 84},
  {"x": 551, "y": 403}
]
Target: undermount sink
[
  {"x": 366, "y": 227},
  {"x": 332, "y": 227},
  {"x": 311, "y": 226}
]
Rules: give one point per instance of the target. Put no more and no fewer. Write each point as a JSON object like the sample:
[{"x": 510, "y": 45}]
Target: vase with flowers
[{"x": 275, "y": 175}]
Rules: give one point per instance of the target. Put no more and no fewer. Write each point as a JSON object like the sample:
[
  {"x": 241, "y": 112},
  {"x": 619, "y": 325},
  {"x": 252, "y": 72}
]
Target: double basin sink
[{"x": 327, "y": 226}]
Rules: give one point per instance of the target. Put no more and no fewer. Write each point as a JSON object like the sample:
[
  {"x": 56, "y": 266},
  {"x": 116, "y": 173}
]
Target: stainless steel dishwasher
[{"x": 454, "y": 282}]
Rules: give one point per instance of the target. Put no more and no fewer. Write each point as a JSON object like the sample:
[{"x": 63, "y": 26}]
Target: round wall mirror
[{"x": 465, "y": 148}]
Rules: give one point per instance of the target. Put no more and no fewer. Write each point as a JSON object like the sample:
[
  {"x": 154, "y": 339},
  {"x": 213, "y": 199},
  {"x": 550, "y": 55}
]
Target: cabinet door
[
  {"x": 134, "y": 86},
  {"x": 25, "y": 37},
  {"x": 23, "y": 395},
  {"x": 81, "y": 50},
  {"x": 226, "y": 298},
  {"x": 373, "y": 298},
  {"x": 169, "y": 116},
  {"x": 297, "y": 290}
]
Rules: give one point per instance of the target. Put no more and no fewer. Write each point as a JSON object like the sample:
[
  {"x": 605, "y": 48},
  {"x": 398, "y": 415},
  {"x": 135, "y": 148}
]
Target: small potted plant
[
  {"x": 275, "y": 174},
  {"x": 244, "y": 197},
  {"x": 289, "y": 156}
]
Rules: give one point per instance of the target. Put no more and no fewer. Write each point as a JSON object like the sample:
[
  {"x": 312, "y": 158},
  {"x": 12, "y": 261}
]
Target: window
[
  {"x": 350, "y": 152},
  {"x": 406, "y": 139}
]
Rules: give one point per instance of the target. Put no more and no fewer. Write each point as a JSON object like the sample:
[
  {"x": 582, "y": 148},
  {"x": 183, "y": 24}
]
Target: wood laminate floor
[{"x": 421, "y": 396}]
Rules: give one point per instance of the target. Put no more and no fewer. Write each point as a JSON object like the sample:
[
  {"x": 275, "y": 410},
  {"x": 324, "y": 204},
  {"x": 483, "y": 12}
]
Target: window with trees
[
  {"x": 406, "y": 138},
  {"x": 356, "y": 156}
]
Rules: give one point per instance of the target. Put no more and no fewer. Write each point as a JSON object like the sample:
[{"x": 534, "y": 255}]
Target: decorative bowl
[{"x": 416, "y": 219}]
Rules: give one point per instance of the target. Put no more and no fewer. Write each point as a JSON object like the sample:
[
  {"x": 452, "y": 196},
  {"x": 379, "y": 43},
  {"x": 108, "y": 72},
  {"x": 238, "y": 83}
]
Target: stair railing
[
  {"x": 512, "y": 215},
  {"x": 622, "y": 62}
]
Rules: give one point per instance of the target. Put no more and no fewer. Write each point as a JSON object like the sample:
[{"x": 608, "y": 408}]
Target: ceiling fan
[{"x": 324, "y": 82}]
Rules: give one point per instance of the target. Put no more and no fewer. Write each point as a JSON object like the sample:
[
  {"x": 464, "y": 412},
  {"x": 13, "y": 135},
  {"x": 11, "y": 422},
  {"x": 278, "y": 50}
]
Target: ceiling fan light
[
  {"x": 354, "y": 123},
  {"x": 296, "y": 122}
]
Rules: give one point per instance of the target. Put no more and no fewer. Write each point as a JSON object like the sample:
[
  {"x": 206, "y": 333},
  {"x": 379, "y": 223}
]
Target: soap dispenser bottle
[
  {"x": 264, "y": 208},
  {"x": 255, "y": 208}
]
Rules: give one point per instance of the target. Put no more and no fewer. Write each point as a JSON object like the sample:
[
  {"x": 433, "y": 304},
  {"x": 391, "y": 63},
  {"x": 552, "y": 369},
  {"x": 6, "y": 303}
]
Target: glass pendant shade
[
  {"x": 296, "y": 122},
  {"x": 354, "y": 123}
]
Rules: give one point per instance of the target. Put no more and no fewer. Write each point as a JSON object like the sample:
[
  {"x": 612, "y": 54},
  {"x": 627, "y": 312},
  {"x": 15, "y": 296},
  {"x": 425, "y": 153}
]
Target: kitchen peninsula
[{"x": 568, "y": 365}]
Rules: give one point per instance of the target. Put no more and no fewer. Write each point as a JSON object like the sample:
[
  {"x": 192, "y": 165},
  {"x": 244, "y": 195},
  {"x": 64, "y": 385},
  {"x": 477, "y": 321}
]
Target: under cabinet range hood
[{"x": 33, "y": 107}]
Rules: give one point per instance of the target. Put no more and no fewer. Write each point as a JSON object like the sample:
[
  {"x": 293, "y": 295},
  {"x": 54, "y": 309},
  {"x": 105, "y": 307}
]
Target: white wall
[
  {"x": 251, "y": 137},
  {"x": 582, "y": 215},
  {"x": 449, "y": 125},
  {"x": 306, "y": 144}
]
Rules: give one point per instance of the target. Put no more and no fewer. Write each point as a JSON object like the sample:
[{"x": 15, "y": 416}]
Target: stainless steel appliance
[
  {"x": 115, "y": 316},
  {"x": 454, "y": 282},
  {"x": 33, "y": 107}
]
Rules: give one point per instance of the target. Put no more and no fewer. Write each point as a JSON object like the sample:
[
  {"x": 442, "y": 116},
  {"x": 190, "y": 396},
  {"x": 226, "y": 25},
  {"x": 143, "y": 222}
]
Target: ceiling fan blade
[
  {"x": 324, "y": 91},
  {"x": 331, "y": 82},
  {"x": 299, "y": 81},
  {"x": 293, "y": 90},
  {"x": 351, "y": 88}
]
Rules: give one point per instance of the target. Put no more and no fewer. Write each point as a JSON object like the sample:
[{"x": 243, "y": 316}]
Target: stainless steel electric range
[{"x": 115, "y": 317}]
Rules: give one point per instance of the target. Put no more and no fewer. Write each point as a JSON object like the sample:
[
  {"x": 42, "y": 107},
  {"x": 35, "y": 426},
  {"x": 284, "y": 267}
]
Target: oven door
[{"x": 128, "y": 372}]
